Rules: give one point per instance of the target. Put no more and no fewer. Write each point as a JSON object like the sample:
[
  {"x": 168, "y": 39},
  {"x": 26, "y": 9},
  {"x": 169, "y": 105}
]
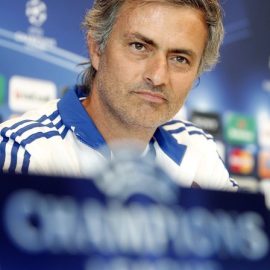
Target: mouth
[{"x": 152, "y": 97}]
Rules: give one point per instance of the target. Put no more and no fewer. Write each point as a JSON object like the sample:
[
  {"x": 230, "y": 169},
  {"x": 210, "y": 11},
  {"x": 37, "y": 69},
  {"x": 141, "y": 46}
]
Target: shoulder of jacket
[
  {"x": 187, "y": 133},
  {"x": 42, "y": 123}
]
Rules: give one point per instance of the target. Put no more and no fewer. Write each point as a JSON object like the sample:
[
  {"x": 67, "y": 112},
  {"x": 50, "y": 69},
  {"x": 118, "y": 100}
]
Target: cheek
[
  {"x": 181, "y": 87},
  {"x": 125, "y": 68}
]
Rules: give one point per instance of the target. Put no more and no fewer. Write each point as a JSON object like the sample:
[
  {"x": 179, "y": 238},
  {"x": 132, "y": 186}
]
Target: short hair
[{"x": 100, "y": 19}]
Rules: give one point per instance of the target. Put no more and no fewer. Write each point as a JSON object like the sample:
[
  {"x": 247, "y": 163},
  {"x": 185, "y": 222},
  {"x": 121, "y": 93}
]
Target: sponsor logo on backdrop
[
  {"x": 240, "y": 129},
  {"x": 210, "y": 122},
  {"x": 37, "y": 13},
  {"x": 264, "y": 164},
  {"x": 2, "y": 89},
  {"x": 29, "y": 93},
  {"x": 264, "y": 133},
  {"x": 241, "y": 161}
]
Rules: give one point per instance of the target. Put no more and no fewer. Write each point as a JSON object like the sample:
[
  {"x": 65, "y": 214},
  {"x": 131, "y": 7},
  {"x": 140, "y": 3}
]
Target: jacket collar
[{"x": 75, "y": 117}]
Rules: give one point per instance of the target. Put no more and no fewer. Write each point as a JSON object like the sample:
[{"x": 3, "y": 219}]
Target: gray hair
[{"x": 99, "y": 21}]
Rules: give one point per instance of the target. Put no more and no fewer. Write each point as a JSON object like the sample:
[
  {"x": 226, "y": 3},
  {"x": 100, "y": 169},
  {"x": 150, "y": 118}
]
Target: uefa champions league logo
[{"x": 36, "y": 12}]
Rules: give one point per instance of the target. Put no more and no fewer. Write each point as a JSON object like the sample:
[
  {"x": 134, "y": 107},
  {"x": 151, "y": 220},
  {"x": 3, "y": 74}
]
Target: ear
[{"x": 93, "y": 51}]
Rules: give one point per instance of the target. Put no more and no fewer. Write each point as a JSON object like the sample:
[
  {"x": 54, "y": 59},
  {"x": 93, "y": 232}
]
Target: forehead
[
  {"x": 133, "y": 8},
  {"x": 162, "y": 21}
]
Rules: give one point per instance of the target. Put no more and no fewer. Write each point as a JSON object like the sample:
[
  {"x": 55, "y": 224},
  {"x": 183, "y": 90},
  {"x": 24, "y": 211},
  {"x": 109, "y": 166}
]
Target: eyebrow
[{"x": 149, "y": 41}]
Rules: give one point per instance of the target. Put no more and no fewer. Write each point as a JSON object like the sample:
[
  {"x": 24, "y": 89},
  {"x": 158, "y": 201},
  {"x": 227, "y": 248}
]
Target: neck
[{"x": 112, "y": 128}]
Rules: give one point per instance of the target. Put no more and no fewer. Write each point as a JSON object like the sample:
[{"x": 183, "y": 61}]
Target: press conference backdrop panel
[{"x": 42, "y": 44}]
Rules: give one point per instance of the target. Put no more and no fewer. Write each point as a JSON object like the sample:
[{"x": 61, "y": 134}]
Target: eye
[
  {"x": 137, "y": 46},
  {"x": 181, "y": 59}
]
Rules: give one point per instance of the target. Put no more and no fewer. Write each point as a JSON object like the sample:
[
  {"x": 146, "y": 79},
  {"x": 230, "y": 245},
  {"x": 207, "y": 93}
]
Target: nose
[{"x": 156, "y": 71}]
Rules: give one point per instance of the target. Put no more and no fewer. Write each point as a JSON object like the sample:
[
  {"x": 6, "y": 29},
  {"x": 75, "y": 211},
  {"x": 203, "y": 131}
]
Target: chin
[
  {"x": 152, "y": 123},
  {"x": 147, "y": 119}
]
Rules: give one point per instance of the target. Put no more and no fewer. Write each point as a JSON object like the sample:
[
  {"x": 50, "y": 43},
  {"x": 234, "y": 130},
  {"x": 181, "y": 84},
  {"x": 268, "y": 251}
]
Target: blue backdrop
[{"x": 42, "y": 43}]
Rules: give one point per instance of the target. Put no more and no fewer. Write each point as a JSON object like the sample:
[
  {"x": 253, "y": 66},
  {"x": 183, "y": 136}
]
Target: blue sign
[{"x": 57, "y": 223}]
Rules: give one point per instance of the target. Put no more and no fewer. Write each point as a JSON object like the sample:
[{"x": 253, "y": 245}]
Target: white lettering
[{"x": 37, "y": 223}]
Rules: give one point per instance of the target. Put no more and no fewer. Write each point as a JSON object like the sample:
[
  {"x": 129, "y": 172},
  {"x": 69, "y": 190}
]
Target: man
[{"x": 145, "y": 57}]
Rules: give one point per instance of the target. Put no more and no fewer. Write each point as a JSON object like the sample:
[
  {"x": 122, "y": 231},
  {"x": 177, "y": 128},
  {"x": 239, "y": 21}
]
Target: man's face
[{"x": 150, "y": 63}]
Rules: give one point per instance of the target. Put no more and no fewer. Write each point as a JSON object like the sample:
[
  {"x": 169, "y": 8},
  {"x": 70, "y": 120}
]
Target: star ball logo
[{"x": 36, "y": 12}]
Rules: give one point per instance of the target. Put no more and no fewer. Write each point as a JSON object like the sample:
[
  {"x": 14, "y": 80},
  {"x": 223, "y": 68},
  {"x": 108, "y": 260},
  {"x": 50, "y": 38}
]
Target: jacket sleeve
[
  {"x": 13, "y": 157},
  {"x": 211, "y": 172}
]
